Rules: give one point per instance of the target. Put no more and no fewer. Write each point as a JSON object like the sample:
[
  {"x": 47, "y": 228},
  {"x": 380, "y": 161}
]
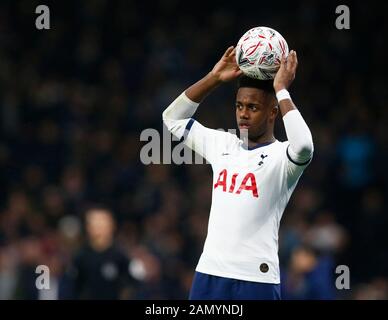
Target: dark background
[{"x": 74, "y": 100}]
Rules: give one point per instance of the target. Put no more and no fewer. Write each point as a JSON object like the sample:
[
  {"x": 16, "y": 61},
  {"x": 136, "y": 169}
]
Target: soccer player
[{"x": 253, "y": 180}]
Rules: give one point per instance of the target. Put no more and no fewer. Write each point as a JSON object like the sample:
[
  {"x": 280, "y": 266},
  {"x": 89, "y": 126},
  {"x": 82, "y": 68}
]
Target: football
[{"x": 259, "y": 52}]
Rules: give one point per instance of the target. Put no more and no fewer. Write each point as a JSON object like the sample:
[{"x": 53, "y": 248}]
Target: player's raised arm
[
  {"x": 225, "y": 70},
  {"x": 178, "y": 115},
  {"x": 298, "y": 133},
  {"x": 184, "y": 107}
]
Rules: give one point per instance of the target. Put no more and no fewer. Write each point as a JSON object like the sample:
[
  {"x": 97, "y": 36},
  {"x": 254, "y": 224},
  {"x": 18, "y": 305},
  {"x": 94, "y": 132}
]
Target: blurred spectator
[
  {"x": 30, "y": 255},
  {"x": 309, "y": 276},
  {"x": 100, "y": 269},
  {"x": 8, "y": 272},
  {"x": 326, "y": 235},
  {"x": 377, "y": 289}
]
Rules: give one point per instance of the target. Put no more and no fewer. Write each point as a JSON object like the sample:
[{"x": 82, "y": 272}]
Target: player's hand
[
  {"x": 286, "y": 73},
  {"x": 227, "y": 69}
]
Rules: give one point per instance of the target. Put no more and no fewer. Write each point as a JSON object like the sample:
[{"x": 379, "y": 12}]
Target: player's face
[{"x": 255, "y": 111}]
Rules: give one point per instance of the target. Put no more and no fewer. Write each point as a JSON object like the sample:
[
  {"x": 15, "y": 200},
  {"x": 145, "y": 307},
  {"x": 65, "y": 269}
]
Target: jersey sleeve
[
  {"x": 204, "y": 141},
  {"x": 299, "y": 148},
  {"x": 293, "y": 169}
]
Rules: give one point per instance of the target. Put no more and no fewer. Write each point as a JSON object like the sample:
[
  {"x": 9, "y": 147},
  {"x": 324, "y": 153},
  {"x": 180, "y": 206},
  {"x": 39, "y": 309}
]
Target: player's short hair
[{"x": 247, "y": 82}]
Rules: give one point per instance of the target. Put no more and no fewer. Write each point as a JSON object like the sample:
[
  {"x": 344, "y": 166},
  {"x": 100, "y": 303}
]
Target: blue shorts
[{"x": 208, "y": 287}]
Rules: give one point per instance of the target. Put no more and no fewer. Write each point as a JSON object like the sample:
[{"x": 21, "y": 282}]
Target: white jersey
[{"x": 251, "y": 189}]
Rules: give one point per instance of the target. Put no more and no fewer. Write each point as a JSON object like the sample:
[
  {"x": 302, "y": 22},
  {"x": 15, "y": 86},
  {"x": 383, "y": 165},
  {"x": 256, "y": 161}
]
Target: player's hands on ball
[
  {"x": 286, "y": 73},
  {"x": 227, "y": 69}
]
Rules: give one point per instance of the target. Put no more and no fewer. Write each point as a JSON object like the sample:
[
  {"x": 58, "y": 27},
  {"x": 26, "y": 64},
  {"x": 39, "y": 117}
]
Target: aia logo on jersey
[{"x": 247, "y": 184}]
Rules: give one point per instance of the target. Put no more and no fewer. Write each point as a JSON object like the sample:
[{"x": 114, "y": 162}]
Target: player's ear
[{"x": 274, "y": 112}]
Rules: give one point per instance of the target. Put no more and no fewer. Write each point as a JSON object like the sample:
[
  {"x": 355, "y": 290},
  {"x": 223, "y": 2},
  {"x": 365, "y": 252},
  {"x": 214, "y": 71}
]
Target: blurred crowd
[{"x": 74, "y": 100}]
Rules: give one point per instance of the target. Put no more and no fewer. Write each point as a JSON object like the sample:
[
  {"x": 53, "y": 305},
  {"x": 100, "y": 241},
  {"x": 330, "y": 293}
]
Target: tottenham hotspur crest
[{"x": 262, "y": 156}]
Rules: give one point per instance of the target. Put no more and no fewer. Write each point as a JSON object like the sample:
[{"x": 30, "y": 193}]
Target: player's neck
[{"x": 266, "y": 138}]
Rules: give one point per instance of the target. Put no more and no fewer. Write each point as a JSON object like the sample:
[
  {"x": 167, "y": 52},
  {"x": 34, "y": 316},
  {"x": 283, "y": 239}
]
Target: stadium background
[{"x": 74, "y": 99}]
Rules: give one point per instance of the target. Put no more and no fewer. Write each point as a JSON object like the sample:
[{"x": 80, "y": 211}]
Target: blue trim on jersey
[
  {"x": 188, "y": 128},
  {"x": 259, "y": 145},
  {"x": 209, "y": 287}
]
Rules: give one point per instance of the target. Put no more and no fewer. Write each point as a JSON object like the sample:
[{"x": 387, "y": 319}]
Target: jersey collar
[{"x": 259, "y": 145}]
